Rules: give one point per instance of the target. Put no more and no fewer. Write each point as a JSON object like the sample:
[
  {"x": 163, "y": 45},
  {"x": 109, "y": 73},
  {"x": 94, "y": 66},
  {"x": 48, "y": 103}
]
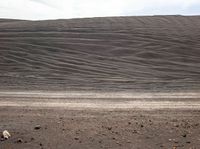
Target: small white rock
[{"x": 6, "y": 134}]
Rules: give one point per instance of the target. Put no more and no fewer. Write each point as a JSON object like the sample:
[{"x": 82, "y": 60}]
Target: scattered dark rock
[
  {"x": 175, "y": 141},
  {"x": 114, "y": 138},
  {"x": 135, "y": 131},
  {"x": 19, "y": 140},
  {"x": 129, "y": 123},
  {"x": 32, "y": 139},
  {"x": 188, "y": 142},
  {"x": 176, "y": 125},
  {"x": 117, "y": 142},
  {"x": 40, "y": 144},
  {"x": 76, "y": 138},
  {"x": 109, "y": 128},
  {"x": 37, "y": 127},
  {"x": 116, "y": 132},
  {"x": 141, "y": 126},
  {"x": 184, "y": 135}
]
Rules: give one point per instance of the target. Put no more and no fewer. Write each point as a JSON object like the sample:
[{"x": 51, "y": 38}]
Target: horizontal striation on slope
[{"x": 120, "y": 53}]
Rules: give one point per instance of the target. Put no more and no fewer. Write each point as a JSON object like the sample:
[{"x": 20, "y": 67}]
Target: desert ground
[
  {"x": 116, "y": 82},
  {"x": 60, "y": 120}
]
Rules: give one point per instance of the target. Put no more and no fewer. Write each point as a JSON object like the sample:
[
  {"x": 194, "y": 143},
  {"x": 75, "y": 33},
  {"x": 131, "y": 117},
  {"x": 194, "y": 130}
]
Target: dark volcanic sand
[
  {"x": 105, "y": 55},
  {"x": 159, "y": 53}
]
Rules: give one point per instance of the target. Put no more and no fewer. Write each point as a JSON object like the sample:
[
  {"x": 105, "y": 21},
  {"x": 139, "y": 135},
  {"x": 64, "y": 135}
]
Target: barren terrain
[
  {"x": 117, "y": 82},
  {"x": 104, "y": 54}
]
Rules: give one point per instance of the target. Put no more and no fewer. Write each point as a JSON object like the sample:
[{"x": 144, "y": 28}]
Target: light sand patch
[{"x": 92, "y": 100}]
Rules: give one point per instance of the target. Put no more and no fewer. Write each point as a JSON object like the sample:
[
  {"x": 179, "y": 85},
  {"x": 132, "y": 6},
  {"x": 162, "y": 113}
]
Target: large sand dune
[
  {"x": 158, "y": 53},
  {"x": 78, "y": 81}
]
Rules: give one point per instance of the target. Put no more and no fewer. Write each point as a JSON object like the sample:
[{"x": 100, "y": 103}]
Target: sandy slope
[
  {"x": 110, "y": 54},
  {"x": 122, "y": 82}
]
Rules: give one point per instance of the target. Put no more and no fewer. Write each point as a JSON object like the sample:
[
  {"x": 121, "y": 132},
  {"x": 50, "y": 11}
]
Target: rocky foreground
[
  {"x": 37, "y": 121},
  {"x": 73, "y": 129}
]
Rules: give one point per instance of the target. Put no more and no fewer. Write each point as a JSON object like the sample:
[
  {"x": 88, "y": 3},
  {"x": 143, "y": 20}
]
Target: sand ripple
[{"x": 112, "y": 54}]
